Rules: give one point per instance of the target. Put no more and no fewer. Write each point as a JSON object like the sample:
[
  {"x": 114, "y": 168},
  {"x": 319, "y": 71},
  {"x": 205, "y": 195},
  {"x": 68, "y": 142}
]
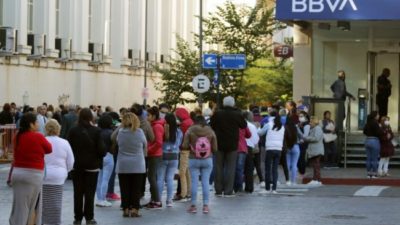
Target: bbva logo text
[{"x": 317, "y": 6}]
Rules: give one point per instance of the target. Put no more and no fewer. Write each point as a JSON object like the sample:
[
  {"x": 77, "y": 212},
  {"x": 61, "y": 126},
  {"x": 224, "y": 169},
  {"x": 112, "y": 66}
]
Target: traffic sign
[
  {"x": 201, "y": 83},
  {"x": 210, "y": 61},
  {"x": 233, "y": 61},
  {"x": 216, "y": 77}
]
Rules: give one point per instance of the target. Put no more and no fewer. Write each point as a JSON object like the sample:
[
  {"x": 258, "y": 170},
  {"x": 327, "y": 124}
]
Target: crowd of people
[{"x": 142, "y": 144}]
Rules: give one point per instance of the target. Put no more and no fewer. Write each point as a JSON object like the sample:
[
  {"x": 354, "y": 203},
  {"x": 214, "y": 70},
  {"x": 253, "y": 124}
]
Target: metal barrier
[{"x": 7, "y": 134}]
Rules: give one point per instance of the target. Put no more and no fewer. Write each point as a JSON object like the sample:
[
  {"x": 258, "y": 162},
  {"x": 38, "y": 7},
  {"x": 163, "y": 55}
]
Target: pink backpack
[{"x": 202, "y": 149}]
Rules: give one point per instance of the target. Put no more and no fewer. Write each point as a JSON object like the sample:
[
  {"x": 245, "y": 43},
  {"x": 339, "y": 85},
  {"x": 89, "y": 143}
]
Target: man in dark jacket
[
  {"x": 226, "y": 124},
  {"x": 384, "y": 92},
  {"x": 68, "y": 121}
]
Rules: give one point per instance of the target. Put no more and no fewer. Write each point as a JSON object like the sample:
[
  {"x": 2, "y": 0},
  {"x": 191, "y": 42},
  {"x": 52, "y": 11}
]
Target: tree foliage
[{"x": 231, "y": 29}]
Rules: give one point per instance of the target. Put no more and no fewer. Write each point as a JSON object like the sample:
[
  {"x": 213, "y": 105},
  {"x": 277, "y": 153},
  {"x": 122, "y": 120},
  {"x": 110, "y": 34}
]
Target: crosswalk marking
[{"x": 370, "y": 191}]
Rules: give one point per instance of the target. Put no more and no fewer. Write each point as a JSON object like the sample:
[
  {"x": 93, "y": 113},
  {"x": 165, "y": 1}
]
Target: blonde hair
[
  {"x": 130, "y": 120},
  {"x": 52, "y": 128},
  {"x": 314, "y": 120}
]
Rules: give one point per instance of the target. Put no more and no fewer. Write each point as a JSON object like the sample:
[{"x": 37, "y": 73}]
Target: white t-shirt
[
  {"x": 59, "y": 162},
  {"x": 253, "y": 140}
]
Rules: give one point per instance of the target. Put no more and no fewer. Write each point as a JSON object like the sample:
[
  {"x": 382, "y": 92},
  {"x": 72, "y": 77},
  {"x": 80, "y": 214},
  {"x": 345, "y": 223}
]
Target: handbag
[{"x": 329, "y": 137}]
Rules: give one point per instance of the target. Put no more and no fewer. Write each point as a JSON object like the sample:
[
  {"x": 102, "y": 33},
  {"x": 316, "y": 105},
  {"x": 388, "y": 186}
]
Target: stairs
[{"x": 356, "y": 156}]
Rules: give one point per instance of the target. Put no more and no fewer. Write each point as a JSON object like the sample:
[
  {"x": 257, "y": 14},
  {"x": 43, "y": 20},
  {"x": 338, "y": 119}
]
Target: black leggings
[{"x": 130, "y": 186}]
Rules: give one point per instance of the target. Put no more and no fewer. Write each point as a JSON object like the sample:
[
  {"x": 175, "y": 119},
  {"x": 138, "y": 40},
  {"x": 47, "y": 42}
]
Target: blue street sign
[
  {"x": 210, "y": 61},
  {"x": 233, "y": 61}
]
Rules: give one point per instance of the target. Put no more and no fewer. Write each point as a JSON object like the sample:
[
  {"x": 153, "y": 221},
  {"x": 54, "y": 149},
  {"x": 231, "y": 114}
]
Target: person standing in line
[
  {"x": 328, "y": 127},
  {"x": 89, "y": 150},
  {"x": 242, "y": 153},
  {"x": 184, "y": 174},
  {"x": 154, "y": 156},
  {"x": 6, "y": 116},
  {"x": 201, "y": 139},
  {"x": 28, "y": 172},
  {"x": 105, "y": 124},
  {"x": 372, "y": 143},
  {"x": 340, "y": 92},
  {"x": 131, "y": 163},
  {"x": 58, "y": 164},
  {"x": 251, "y": 143},
  {"x": 315, "y": 149},
  {"x": 145, "y": 125},
  {"x": 387, "y": 148},
  {"x": 303, "y": 130},
  {"x": 226, "y": 124},
  {"x": 384, "y": 91},
  {"x": 274, "y": 144},
  {"x": 69, "y": 120},
  {"x": 283, "y": 161},
  {"x": 172, "y": 141},
  {"x": 42, "y": 119},
  {"x": 293, "y": 151}
]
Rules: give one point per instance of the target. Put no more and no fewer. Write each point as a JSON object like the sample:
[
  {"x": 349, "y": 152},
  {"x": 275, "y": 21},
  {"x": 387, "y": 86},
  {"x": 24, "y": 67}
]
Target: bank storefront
[{"x": 360, "y": 37}]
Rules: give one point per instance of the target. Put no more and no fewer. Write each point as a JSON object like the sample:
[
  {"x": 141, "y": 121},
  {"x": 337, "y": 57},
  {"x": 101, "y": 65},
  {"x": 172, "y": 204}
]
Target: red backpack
[{"x": 202, "y": 148}]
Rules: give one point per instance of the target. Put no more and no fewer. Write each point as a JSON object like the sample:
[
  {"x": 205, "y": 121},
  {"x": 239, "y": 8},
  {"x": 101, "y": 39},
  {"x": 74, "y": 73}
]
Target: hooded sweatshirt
[
  {"x": 184, "y": 117},
  {"x": 155, "y": 147},
  {"x": 195, "y": 132}
]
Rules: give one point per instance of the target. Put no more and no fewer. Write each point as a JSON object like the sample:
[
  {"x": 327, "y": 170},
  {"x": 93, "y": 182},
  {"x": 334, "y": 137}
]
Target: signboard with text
[{"x": 337, "y": 9}]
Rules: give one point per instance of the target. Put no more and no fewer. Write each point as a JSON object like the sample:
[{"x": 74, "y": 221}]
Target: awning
[{"x": 338, "y": 9}]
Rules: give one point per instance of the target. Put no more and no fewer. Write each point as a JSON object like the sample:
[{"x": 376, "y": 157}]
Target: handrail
[{"x": 346, "y": 131}]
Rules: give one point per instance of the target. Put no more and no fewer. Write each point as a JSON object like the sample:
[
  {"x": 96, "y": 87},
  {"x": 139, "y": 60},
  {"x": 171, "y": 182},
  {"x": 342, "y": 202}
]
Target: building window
[
  {"x": 57, "y": 18},
  {"x": 30, "y": 16}
]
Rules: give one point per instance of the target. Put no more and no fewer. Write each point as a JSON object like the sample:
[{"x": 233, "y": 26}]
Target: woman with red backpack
[{"x": 202, "y": 142}]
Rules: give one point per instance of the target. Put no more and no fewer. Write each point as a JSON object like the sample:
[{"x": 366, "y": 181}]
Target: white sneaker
[
  {"x": 103, "y": 204},
  {"x": 288, "y": 183},
  {"x": 262, "y": 184},
  {"x": 274, "y": 192},
  {"x": 312, "y": 182}
]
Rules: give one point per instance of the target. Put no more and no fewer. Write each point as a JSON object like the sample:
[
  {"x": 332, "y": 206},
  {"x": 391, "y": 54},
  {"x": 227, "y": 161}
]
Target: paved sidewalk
[{"x": 354, "y": 176}]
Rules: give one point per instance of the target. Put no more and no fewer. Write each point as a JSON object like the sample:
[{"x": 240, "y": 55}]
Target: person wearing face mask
[
  {"x": 315, "y": 149},
  {"x": 164, "y": 109},
  {"x": 303, "y": 130},
  {"x": 387, "y": 147},
  {"x": 328, "y": 127}
]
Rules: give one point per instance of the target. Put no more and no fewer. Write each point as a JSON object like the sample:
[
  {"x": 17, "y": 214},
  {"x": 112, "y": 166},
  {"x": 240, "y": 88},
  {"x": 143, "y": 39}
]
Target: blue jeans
[
  {"x": 104, "y": 177},
  {"x": 203, "y": 168},
  {"x": 272, "y": 158},
  {"x": 240, "y": 162},
  {"x": 166, "y": 173},
  {"x": 212, "y": 175},
  {"x": 372, "y": 147},
  {"x": 292, "y": 156}
]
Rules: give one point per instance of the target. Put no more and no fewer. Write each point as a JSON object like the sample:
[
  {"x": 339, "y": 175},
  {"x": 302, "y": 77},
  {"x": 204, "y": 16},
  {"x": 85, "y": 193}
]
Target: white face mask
[
  {"x": 162, "y": 115},
  {"x": 387, "y": 122},
  {"x": 287, "y": 111},
  {"x": 302, "y": 119}
]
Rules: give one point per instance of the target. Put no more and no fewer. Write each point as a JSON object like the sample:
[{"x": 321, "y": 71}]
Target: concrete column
[
  {"x": 302, "y": 63},
  {"x": 166, "y": 28},
  {"x": 80, "y": 30},
  {"x": 45, "y": 23},
  {"x": 15, "y": 15},
  {"x": 100, "y": 27},
  {"x": 119, "y": 31}
]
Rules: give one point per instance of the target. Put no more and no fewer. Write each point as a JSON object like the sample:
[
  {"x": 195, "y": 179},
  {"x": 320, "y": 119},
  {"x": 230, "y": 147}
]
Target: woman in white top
[
  {"x": 57, "y": 166},
  {"x": 273, "y": 147}
]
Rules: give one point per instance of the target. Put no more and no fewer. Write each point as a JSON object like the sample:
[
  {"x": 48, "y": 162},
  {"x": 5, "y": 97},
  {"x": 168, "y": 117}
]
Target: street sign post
[
  {"x": 233, "y": 61},
  {"x": 210, "y": 61},
  {"x": 217, "y": 62},
  {"x": 201, "y": 83}
]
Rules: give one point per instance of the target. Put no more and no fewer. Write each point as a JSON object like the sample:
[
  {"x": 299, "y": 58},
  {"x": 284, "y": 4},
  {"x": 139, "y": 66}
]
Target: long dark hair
[
  {"x": 277, "y": 120},
  {"x": 290, "y": 134},
  {"x": 85, "y": 117},
  {"x": 371, "y": 117},
  {"x": 200, "y": 120},
  {"x": 105, "y": 122},
  {"x": 173, "y": 126},
  {"x": 25, "y": 124},
  {"x": 294, "y": 109}
]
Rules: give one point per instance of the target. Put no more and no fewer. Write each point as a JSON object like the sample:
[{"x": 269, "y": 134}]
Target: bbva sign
[{"x": 318, "y": 6}]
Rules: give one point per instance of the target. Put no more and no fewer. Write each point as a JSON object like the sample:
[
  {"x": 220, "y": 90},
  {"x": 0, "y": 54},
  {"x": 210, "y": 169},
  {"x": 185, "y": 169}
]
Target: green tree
[{"x": 235, "y": 30}]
